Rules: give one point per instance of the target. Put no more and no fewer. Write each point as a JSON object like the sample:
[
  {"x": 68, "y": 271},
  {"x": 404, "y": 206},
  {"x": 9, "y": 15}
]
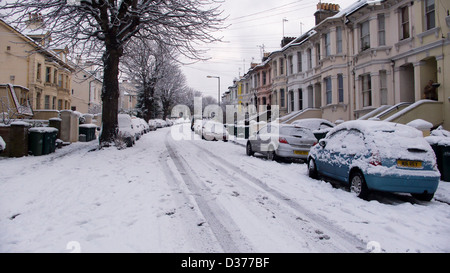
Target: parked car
[
  {"x": 152, "y": 125},
  {"x": 144, "y": 125},
  {"x": 198, "y": 125},
  {"x": 377, "y": 155},
  {"x": 319, "y": 127},
  {"x": 126, "y": 129},
  {"x": 213, "y": 130},
  {"x": 160, "y": 123},
  {"x": 281, "y": 140},
  {"x": 137, "y": 127}
]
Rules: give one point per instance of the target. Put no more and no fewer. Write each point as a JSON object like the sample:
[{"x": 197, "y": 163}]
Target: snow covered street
[{"x": 190, "y": 195}]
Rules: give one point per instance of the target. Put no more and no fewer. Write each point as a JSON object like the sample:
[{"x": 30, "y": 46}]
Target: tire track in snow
[
  {"x": 347, "y": 241},
  {"x": 222, "y": 226}
]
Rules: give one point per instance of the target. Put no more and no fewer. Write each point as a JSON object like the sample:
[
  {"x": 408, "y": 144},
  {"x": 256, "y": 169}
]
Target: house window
[
  {"x": 339, "y": 40},
  {"x": 38, "y": 99},
  {"x": 264, "y": 78},
  {"x": 282, "y": 98},
  {"x": 281, "y": 67},
  {"x": 38, "y": 72},
  {"x": 326, "y": 40},
  {"x": 383, "y": 88},
  {"x": 60, "y": 103},
  {"x": 328, "y": 90},
  {"x": 291, "y": 97},
  {"x": 291, "y": 65},
  {"x": 275, "y": 71},
  {"x": 381, "y": 30},
  {"x": 60, "y": 80},
  {"x": 309, "y": 55},
  {"x": 366, "y": 90},
  {"x": 404, "y": 16},
  {"x": 55, "y": 76},
  {"x": 340, "y": 87},
  {"x": 300, "y": 99},
  {"x": 54, "y": 103},
  {"x": 318, "y": 57},
  {"x": 299, "y": 62},
  {"x": 429, "y": 15},
  {"x": 47, "y": 102},
  {"x": 365, "y": 36},
  {"x": 48, "y": 74}
]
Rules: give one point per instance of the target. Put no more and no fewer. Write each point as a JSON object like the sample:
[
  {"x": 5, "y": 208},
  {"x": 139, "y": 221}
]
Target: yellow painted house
[{"x": 25, "y": 62}]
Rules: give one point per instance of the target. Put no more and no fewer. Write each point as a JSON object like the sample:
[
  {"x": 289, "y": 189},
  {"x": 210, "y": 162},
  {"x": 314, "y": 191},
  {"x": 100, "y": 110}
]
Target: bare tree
[
  {"x": 170, "y": 88},
  {"x": 106, "y": 26},
  {"x": 144, "y": 63}
]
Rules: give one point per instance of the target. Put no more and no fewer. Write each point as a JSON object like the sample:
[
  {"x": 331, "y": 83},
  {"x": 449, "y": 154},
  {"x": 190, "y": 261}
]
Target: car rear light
[
  {"x": 375, "y": 159},
  {"x": 282, "y": 140},
  {"x": 315, "y": 143}
]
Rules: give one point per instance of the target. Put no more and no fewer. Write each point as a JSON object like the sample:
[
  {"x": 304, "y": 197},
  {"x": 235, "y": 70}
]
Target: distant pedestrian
[{"x": 430, "y": 91}]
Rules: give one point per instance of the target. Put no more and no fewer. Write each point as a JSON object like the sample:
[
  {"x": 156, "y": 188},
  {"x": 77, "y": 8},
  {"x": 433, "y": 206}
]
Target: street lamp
[{"x": 218, "y": 96}]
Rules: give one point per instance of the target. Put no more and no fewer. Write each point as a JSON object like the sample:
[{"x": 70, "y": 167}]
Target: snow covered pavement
[{"x": 166, "y": 195}]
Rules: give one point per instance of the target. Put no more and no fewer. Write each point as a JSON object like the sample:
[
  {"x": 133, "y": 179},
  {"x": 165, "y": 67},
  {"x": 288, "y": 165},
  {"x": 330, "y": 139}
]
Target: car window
[
  {"x": 325, "y": 126},
  {"x": 263, "y": 130},
  {"x": 298, "y": 132},
  {"x": 336, "y": 140},
  {"x": 354, "y": 142}
]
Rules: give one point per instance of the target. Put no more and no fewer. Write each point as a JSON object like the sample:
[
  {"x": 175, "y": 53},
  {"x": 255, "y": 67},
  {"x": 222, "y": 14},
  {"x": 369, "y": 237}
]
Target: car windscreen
[{"x": 298, "y": 132}]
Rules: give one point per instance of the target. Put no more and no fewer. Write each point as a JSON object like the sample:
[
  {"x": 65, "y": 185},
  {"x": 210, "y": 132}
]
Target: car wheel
[
  {"x": 423, "y": 196},
  {"x": 271, "y": 154},
  {"x": 312, "y": 169},
  {"x": 249, "y": 149},
  {"x": 358, "y": 185}
]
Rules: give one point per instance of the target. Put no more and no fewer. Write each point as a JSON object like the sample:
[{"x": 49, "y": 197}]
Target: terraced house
[
  {"x": 384, "y": 59},
  {"x": 26, "y": 62}
]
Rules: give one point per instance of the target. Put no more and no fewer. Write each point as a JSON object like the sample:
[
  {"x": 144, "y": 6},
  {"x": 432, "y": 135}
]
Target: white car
[
  {"x": 144, "y": 125},
  {"x": 137, "y": 127},
  {"x": 152, "y": 125},
  {"x": 126, "y": 129},
  {"x": 213, "y": 130}
]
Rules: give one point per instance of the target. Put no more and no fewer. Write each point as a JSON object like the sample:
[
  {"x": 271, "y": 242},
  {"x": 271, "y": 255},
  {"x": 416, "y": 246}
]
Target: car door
[
  {"x": 329, "y": 161},
  {"x": 269, "y": 138},
  {"x": 351, "y": 148},
  {"x": 256, "y": 139}
]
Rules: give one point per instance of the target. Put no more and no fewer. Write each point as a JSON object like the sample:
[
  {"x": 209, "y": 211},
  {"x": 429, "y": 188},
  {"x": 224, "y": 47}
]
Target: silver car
[{"x": 280, "y": 140}]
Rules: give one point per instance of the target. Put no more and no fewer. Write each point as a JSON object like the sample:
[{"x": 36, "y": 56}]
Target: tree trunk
[{"x": 110, "y": 97}]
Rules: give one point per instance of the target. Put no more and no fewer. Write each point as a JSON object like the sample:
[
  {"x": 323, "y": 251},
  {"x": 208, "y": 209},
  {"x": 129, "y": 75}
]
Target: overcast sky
[{"x": 253, "y": 24}]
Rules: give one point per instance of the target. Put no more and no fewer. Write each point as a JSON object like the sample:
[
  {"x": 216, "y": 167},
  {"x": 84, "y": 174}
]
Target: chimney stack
[{"x": 325, "y": 10}]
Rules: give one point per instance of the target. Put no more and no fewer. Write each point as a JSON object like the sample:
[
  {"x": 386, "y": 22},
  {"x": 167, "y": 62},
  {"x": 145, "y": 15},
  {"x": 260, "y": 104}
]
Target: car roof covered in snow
[{"x": 370, "y": 127}]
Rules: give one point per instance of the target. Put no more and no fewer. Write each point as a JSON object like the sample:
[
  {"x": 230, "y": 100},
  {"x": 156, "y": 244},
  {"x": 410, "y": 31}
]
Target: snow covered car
[
  {"x": 213, "y": 130},
  {"x": 281, "y": 140},
  {"x": 377, "y": 155},
  {"x": 319, "y": 127},
  {"x": 144, "y": 125},
  {"x": 126, "y": 130},
  {"x": 137, "y": 127},
  {"x": 152, "y": 125}
]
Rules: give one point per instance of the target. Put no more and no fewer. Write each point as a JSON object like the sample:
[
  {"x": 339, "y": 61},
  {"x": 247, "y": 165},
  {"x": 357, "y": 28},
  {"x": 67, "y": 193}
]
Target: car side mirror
[{"x": 322, "y": 143}]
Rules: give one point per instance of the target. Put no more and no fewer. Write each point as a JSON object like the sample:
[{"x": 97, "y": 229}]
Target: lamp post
[{"x": 218, "y": 96}]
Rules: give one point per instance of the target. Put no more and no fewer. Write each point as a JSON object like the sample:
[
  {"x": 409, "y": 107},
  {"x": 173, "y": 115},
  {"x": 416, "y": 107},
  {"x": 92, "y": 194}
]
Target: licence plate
[
  {"x": 301, "y": 152},
  {"x": 409, "y": 164}
]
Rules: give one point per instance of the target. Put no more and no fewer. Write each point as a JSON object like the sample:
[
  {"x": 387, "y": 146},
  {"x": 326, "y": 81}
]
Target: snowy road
[{"x": 166, "y": 195}]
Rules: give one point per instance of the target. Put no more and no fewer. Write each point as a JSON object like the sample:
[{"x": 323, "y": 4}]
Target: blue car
[{"x": 377, "y": 156}]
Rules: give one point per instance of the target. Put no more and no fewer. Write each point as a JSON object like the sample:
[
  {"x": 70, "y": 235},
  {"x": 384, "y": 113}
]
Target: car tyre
[
  {"x": 358, "y": 185},
  {"x": 423, "y": 196},
  {"x": 312, "y": 169},
  {"x": 271, "y": 154},
  {"x": 249, "y": 149}
]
